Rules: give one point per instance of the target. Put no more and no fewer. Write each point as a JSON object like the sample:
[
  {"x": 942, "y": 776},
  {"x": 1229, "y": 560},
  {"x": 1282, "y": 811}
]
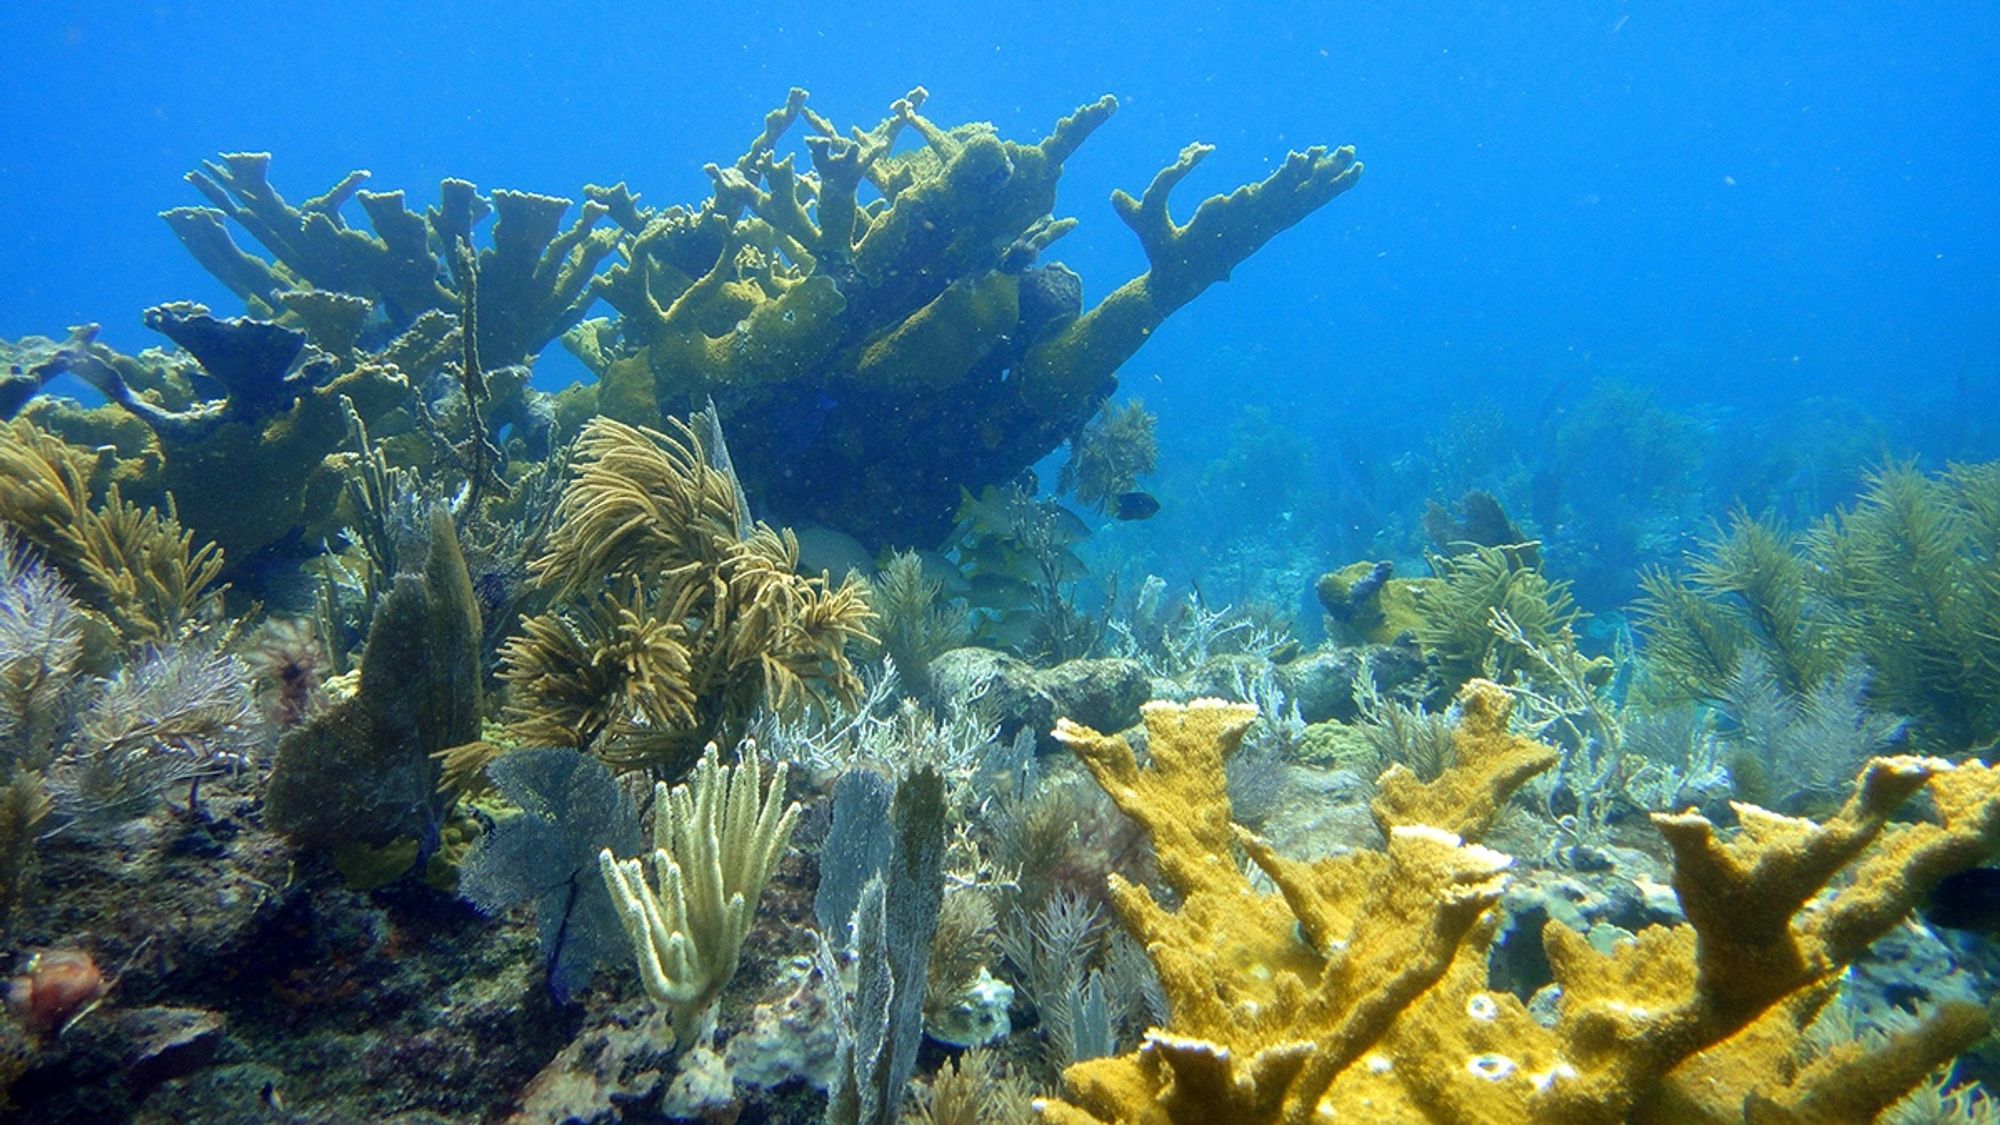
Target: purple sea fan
[{"x": 172, "y": 716}]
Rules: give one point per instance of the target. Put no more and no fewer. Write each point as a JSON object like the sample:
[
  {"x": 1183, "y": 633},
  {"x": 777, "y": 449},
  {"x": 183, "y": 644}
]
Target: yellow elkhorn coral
[{"x": 1359, "y": 990}]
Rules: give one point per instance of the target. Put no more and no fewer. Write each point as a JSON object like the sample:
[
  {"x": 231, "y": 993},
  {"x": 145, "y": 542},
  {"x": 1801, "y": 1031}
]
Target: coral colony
[{"x": 744, "y": 729}]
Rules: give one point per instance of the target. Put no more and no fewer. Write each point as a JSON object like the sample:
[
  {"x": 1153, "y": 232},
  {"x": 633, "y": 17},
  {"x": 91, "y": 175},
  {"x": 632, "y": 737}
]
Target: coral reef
[
  {"x": 340, "y": 670},
  {"x": 1361, "y": 985},
  {"x": 363, "y": 772},
  {"x": 1018, "y": 697},
  {"x": 1452, "y": 615},
  {"x": 241, "y": 980},
  {"x": 716, "y": 841},
  {"x": 876, "y": 358},
  {"x": 27, "y": 366},
  {"x": 1365, "y": 605},
  {"x": 676, "y": 615}
]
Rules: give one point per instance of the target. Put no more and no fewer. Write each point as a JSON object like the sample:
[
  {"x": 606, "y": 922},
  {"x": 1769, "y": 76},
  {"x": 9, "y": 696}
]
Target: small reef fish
[{"x": 1134, "y": 506}]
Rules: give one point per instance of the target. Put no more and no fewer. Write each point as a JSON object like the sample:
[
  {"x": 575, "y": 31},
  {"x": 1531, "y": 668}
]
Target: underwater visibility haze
[{"x": 1122, "y": 563}]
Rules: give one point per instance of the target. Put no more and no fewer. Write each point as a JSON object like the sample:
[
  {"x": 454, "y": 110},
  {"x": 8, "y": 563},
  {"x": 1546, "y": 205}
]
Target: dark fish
[
  {"x": 1969, "y": 900},
  {"x": 1134, "y": 506},
  {"x": 1066, "y": 527},
  {"x": 941, "y": 570},
  {"x": 835, "y": 552}
]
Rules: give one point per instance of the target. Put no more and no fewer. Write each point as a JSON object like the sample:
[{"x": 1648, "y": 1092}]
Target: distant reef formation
[{"x": 879, "y": 332}]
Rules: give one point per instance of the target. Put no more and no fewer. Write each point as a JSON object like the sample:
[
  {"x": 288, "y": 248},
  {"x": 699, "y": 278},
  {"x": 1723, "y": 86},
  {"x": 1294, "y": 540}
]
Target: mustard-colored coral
[
  {"x": 1360, "y": 987},
  {"x": 1363, "y": 608},
  {"x": 879, "y": 327},
  {"x": 1465, "y": 801}
]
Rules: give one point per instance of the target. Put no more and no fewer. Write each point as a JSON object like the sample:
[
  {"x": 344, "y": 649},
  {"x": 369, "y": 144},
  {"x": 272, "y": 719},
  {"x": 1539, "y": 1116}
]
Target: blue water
[
  {"x": 1734, "y": 204},
  {"x": 1625, "y": 265}
]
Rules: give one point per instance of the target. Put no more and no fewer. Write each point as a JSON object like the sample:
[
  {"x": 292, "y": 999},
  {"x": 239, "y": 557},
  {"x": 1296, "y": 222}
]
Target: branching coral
[
  {"x": 1182, "y": 259},
  {"x": 913, "y": 333},
  {"x": 535, "y": 274},
  {"x": 1360, "y": 987},
  {"x": 248, "y": 469},
  {"x": 677, "y": 614},
  {"x": 28, "y": 365},
  {"x": 716, "y": 841},
  {"x": 135, "y": 566},
  {"x": 875, "y": 328}
]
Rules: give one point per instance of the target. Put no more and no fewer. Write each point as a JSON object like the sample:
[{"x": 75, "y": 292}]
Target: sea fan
[{"x": 571, "y": 809}]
